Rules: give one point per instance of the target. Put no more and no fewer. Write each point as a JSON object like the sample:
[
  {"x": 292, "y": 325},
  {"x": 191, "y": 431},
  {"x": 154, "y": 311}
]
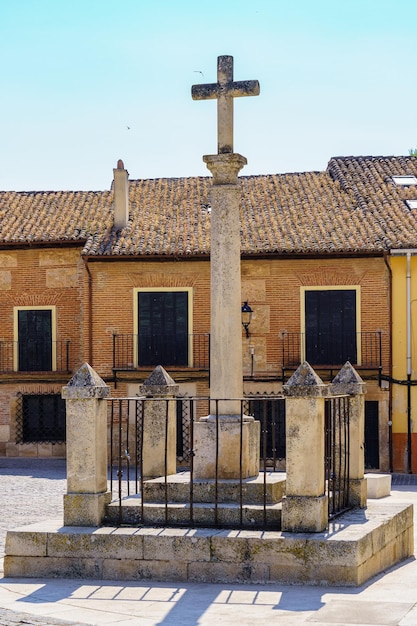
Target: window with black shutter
[
  {"x": 330, "y": 326},
  {"x": 34, "y": 340},
  {"x": 163, "y": 328},
  {"x": 40, "y": 418}
]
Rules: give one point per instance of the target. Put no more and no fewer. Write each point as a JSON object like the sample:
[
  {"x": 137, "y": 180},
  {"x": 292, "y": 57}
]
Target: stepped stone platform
[
  {"x": 176, "y": 490},
  {"x": 357, "y": 546}
]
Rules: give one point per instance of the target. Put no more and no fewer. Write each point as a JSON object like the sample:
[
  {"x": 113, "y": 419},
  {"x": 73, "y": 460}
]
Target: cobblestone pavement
[{"x": 31, "y": 490}]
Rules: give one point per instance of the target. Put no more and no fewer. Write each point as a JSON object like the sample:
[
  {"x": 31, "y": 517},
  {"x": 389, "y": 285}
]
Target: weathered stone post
[
  {"x": 87, "y": 494},
  {"x": 348, "y": 382},
  {"x": 305, "y": 508},
  {"x": 159, "y": 425}
]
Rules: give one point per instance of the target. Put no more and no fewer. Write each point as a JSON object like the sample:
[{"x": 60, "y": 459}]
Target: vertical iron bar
[
  {"x": 216, "y": 479},
  {"x": 166, "y": 460},
  {"x": 274, "y": 421},
  {"x": 241, "y": 466},
  {"x": 136, "y": 445},
  {"x": 127, "y": 454},
  {"x": 348, "y": 451},
  {"x": 120, "y": 470},
  {"x": 264, "y": 444},
  {"x": 191, "y": 405},
  {"x": 141, "y": 459},
  {"x": 111, "y": 445}
]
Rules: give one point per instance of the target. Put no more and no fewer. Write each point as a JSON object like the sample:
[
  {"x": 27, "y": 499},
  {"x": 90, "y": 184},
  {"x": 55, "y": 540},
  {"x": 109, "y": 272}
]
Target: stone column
[
  {"x": 226, "y": 370},
  {"x": 86, "y": 413},
  {"x": 221, "y": 431},
  {"x": 305, "y": 507},
  {"x": 159, "y": 425},
  {"x": 348, "y": 382}
]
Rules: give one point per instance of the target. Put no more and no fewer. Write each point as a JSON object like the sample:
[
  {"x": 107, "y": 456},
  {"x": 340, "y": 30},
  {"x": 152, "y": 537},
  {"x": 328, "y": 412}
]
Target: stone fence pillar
[
  {"x": 348, "y": 382},
  {"x": 159, "y": 425},
  {"x": 305, "y": 507},
  {"x": 86, "y": 409}
]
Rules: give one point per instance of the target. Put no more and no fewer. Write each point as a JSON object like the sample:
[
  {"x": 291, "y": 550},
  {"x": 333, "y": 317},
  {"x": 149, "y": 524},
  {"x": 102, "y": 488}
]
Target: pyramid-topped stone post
[
  {"x": 86, "y": 415},
  {"x": 305, "y": 507},
  {"x": 348, "y": 382},
  {"x": 159, "y": 442}
]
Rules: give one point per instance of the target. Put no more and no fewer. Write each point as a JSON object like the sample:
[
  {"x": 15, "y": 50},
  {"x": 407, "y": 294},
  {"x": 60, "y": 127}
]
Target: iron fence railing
[
  {"x": 168, "y": 349},
  {"x": 324, "y": 349},
  {"x": 126, "y": 456},
  {"x": 40, "y": 418},
  {"x": 37, "y": 355},
  {"x": 126, "y": 418},
  {"x": 337, "y": 454}
]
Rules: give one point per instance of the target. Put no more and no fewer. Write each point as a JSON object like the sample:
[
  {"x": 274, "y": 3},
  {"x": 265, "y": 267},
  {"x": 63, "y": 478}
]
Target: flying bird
[{"x": 198, "y": 72}]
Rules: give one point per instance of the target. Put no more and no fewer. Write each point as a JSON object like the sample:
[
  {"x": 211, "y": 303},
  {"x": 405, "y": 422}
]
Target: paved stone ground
[{"x": 32, "y": 490}]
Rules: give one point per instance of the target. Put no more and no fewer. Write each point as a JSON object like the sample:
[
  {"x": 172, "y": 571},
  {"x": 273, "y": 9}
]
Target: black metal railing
[
  {"x": 337, "y": 452},
  {"x": 362, "y": 349},
  {"x": 168, "y": 349},
  {"x": 40, "y": 418},
  {"x": 126, "y": 416},
  {"x": 37, "y": 355}
]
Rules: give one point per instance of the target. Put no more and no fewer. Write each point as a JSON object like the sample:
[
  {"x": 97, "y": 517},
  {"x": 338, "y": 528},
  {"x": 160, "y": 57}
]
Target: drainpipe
[
  {"x": 408, "y": 282},
  {"x": 90, "y": 312},
  {"x": 408, "y": 254},
  {"x": 390, "y": 450}
]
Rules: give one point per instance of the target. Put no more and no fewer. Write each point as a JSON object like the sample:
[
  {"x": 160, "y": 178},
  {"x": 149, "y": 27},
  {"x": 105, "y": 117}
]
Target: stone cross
[{"x": 225, "y": 90}]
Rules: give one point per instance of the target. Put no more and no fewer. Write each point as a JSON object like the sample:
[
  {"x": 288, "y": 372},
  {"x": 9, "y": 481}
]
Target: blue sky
[{"x": 86, "y": 82}]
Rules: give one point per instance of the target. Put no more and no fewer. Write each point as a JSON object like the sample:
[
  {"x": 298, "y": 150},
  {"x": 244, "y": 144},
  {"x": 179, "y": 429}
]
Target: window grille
[{"x": 40, "y": 418}]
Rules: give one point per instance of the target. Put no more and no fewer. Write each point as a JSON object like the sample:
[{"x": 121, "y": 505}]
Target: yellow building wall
[{"x": 399, "y": 362}]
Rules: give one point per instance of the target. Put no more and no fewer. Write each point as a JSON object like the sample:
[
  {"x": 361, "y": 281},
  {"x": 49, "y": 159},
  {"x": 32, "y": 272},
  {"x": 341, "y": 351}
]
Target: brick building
[{"x": 121, "y": 279}]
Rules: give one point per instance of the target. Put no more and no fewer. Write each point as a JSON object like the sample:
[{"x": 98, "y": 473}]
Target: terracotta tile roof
[
  {"x": 353, "y": 207},
  {"x": 290, "y": 213},
  {"x": 381, "y": 203},
  {"x": 46, "y": 216}
]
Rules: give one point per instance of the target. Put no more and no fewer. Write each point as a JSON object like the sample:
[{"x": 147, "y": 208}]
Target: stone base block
[
  {"x": 357, "y": 492},
  {"x": 357, "y": 546},
  {"x": 177, "y": 488},
  {"x": 85, "y": 509},
  {"x": 304, "y": 514},
  {"x": 232, "y": 436},
  {"x": 378, "y": 485}
]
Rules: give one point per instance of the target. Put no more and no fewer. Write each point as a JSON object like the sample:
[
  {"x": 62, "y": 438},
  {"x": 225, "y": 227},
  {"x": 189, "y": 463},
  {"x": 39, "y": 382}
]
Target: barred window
[{"x": 40, "y": 418}]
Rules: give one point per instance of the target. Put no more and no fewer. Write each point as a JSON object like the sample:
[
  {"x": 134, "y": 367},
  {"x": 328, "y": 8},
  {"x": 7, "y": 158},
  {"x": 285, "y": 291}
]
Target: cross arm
[
  {"x": 204, "y": 92},
  {"x": 236, "y": 89}
]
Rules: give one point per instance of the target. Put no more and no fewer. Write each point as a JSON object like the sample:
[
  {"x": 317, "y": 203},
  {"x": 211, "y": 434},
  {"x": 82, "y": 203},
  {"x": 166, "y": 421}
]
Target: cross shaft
[{"x": 224, "y": 91}]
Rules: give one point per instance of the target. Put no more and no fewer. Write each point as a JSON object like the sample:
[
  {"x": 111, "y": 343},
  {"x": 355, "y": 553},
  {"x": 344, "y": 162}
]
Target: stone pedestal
[
  {"x": 226, "y": 448},
  {"x": 86, "y": 410},
  {"x": 159, "y": 449}
]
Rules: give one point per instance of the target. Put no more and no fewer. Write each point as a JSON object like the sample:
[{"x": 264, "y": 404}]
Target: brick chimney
[{"x": 121, "y": 195}]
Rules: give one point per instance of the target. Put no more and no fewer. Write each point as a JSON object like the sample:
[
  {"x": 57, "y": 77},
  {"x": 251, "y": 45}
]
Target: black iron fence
[
  {"x": 127, "y": 459},
  {"x": 337, "y": 453},
  {"x": 362, "y": 349},
  {"x": 172, "y": 349},
  {"x": 40, "y": 418},
  {"x": 37, "y": 355}
]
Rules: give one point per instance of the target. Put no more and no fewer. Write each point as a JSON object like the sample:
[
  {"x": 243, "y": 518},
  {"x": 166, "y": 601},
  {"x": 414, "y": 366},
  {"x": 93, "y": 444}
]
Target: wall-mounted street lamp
[{"x": 246, "y": 317}]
